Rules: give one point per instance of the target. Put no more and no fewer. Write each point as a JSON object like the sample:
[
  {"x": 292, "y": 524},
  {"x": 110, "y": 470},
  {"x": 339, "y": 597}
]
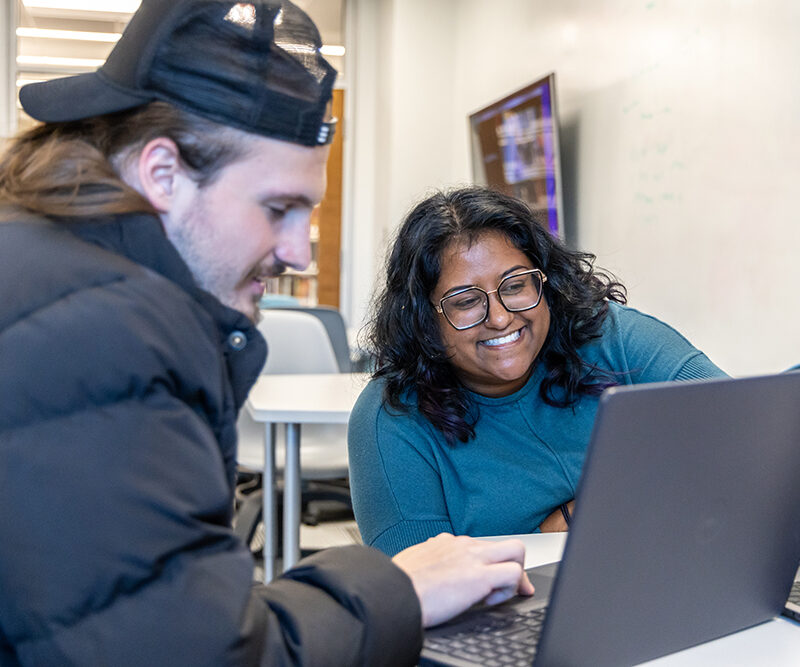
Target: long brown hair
[{"x": 73, "y": 169}]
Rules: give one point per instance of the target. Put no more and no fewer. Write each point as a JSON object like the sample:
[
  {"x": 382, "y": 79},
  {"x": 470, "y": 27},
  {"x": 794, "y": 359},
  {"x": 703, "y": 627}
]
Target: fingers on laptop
[
  {"x": 507, "y": 579},
  {"x": 508, "y": 557},
  {"x": 450, "y": 574}
]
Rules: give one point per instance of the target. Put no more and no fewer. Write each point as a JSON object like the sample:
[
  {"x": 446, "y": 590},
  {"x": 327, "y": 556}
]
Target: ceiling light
[
  {"x": 332, "y": 50},
  {"x": 105, "y": 6},
  {"x": 53, "y": 61},
  {"x": 41, "y": 33}
]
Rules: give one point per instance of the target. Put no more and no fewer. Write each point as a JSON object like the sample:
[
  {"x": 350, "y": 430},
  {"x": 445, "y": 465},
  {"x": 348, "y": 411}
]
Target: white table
[
  {"x": 776, "y": 642},
  {"x": 294, "y": 400}
]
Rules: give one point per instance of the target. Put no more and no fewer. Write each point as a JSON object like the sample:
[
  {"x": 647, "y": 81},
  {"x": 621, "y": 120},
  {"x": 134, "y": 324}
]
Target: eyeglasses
[{"x": 470, "y": 306}]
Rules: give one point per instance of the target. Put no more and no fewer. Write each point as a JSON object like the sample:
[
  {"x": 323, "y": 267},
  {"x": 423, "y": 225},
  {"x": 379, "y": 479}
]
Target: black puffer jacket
[{"x": 118, "y": 402}]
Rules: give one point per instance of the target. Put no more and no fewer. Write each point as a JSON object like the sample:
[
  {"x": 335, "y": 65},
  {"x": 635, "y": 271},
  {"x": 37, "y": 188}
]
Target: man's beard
[{"x": 199, "y": 250}]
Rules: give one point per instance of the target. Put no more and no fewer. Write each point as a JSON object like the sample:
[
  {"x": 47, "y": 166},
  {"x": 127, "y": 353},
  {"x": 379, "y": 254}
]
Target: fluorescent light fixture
[
  {"x": 42, "y": 33},
  {"x": 325, "y": 49},
  {"x": 332, "y": 50},
  {"x": 105, "y": 6},
  {"x": 24, "y": 82},
  {"x": 52, "y": 61}
]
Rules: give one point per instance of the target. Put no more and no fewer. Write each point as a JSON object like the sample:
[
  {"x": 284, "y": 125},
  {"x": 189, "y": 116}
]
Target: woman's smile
[{"x": 504, "y": 341}]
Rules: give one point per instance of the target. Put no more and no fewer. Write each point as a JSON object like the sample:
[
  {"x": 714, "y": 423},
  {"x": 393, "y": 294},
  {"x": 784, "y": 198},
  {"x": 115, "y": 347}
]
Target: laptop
[{"x": 686, "y": 528}]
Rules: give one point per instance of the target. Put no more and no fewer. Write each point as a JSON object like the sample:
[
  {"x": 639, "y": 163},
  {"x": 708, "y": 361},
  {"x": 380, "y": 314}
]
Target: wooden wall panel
[{"x": 330, "y": 216}]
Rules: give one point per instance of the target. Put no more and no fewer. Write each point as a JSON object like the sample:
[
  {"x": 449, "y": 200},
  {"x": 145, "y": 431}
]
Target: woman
[{"x": 493, "y": 344}]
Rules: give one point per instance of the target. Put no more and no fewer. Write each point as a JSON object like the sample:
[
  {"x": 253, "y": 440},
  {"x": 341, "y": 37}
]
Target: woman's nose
[{"x": 498, "y": 317}]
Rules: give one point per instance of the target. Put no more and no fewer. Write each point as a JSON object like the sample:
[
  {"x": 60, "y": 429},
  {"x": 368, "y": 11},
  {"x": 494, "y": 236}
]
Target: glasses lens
[
  {"x": 522, "y": 291},
  {"x": 465, "y": 308}
]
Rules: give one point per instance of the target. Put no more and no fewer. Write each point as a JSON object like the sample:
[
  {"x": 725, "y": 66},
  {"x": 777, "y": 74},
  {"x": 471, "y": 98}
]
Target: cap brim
[{"x": 76, "y": 97}]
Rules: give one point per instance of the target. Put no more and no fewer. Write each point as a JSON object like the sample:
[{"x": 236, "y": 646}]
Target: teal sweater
[{"x": 526, "y": 457}]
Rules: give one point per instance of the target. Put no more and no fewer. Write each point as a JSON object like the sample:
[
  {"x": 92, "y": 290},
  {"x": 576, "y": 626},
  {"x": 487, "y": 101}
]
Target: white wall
[
  {"x": 680, "y": 145},
  {"x": 401, "y": 72},
  {"x": 7, "y": 68}
]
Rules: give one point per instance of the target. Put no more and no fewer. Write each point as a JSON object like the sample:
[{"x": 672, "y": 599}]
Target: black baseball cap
[{"x": 252, "y": 65}]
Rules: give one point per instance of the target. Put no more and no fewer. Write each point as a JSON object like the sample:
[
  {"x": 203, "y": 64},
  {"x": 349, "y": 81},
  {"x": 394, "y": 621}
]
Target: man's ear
[{"x": 159, "y": 169}]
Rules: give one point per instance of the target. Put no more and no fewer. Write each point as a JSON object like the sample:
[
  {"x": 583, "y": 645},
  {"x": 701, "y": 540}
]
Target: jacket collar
[{"x": 141, "y": 239}]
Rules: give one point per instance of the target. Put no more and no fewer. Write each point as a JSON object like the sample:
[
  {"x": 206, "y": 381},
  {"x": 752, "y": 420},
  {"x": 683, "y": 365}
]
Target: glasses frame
[{"x": 440, "y": 307}]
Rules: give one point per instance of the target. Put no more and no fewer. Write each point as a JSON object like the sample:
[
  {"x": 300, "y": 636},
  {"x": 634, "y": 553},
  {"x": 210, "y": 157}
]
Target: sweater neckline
[{"x": 533, "y": 381}]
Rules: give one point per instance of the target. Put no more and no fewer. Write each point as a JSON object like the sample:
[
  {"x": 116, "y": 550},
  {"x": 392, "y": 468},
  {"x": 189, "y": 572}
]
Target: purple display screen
[{"x": 515, "y": 149}]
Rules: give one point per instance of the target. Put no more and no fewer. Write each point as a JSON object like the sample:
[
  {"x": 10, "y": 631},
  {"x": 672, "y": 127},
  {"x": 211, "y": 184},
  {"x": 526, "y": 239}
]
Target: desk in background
[
  {"x": 774, "y": 643},
  {"x": 293, "y": 400}
]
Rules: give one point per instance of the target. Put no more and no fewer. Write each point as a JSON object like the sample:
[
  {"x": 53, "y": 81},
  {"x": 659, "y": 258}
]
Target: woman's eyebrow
[
  {"x": 514, "y": 269},
  {"x": 456, "y": 288}
]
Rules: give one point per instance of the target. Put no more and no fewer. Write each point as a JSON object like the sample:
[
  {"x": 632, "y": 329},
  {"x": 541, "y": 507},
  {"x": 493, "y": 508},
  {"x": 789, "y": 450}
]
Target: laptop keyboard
[
  {"x": 794, "y": 594},
  {"x": 508, "y": 639},
  {"x": 500, "y": 640}
]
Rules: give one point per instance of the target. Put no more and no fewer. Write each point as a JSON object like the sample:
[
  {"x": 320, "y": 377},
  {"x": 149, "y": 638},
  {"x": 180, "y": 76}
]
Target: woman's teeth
[{"x": 503, "y": 339}]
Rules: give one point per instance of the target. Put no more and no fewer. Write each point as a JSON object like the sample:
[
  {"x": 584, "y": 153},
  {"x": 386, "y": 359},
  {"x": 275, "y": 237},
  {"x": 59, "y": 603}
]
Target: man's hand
[
  {"x": 450, "y": 574},
  {"x": 555, "y": 522}
]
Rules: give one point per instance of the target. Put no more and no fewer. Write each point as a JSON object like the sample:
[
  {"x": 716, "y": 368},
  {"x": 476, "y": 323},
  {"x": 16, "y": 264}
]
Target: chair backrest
[
  {"x": 297, "y": 343},
  {"x": 334, "y": 324}
]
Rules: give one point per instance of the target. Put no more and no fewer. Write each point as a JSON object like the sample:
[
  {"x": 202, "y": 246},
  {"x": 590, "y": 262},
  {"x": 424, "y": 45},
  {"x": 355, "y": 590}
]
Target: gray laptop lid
[{"x": 687, "y": 525}]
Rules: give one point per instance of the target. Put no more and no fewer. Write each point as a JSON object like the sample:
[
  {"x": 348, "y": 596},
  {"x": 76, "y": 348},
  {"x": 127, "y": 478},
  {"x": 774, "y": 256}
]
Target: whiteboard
[{"x": 680, "y": 147}]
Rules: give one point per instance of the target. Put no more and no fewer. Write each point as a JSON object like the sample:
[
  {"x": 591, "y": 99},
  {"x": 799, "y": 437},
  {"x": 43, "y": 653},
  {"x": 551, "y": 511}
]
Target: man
[{"x": 138, "y": 225}]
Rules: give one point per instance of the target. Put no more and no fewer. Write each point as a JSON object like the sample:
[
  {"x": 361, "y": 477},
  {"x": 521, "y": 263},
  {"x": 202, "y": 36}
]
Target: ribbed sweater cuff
[{"x": 698, "y": 367}]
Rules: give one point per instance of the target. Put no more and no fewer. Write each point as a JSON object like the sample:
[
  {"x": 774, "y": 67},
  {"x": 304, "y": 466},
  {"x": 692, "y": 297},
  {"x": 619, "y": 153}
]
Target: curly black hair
[{"x": 404, "y": 330}]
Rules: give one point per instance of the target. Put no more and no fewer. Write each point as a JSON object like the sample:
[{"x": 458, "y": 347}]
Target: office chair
[
  {"x": 297, "y": 342},
  {"x": 348, "y": 361},
  {"x": 335, "y": 328}
]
